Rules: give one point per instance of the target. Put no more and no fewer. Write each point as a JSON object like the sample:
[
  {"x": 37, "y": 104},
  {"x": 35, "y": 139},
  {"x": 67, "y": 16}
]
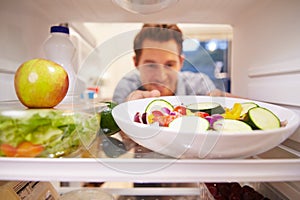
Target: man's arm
[{"x": 125, "y": 87}]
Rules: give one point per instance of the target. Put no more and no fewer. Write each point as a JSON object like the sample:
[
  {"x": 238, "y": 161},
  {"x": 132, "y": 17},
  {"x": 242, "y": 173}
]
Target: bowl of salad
[
  {"x": 204, "y": 126},
  {"x": 46, "y": 132}
]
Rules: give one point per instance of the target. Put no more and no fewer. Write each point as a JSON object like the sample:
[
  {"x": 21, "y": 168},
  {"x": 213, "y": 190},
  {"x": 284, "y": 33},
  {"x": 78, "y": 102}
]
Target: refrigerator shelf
[{"x": 150, "y": 170}]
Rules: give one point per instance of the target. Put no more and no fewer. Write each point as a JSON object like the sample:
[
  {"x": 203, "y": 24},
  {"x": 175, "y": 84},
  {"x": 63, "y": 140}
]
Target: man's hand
[
  {"x": 219, "y": 93},
  {"x": 139, "y": 94}
]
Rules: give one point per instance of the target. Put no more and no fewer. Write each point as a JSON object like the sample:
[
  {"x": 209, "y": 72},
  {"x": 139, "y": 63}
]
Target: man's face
[{"x": 159, "y": 64}]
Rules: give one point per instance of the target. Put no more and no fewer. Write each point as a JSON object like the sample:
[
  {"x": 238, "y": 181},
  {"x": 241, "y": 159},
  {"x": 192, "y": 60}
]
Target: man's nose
[{"x": 162, "y": 73}]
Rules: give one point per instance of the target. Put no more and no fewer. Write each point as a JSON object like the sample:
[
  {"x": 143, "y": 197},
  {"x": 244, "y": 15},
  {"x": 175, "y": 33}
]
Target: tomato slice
[
  {"x": 180, "y": 109},
  {"x": 28, "y": 149},
  {"x": 8, "y": 150},
  {"x": 201, "y": 114},
  {"x": 166, "y": 119}
]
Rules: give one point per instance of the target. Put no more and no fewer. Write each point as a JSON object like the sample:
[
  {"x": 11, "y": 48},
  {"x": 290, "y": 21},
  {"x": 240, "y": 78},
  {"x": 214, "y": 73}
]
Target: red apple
[{"x": 41, "y": 83}]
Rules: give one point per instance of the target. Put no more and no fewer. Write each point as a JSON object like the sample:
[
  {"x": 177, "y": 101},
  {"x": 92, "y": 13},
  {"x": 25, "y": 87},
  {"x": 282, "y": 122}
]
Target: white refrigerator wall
[
  {"x": 266, "y": 55},
  {"x": 22, "y": 33},
  {"x": 24, "y": 28}
]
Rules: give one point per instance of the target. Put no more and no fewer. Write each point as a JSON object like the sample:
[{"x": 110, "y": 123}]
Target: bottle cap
[{"x": 59, "y": 29}]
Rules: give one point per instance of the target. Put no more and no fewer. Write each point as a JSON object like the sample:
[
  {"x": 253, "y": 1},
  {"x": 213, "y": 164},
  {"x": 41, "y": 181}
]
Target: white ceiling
[
  {"x": 85, "y": 15},
  {"x": 185, "y": 11},
  {"x": 96, "y": 33}
]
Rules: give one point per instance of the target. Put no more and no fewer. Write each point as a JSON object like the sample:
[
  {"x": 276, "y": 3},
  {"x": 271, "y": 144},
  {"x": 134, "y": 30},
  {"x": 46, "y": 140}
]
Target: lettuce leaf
[{"x": 60, "y": 132}]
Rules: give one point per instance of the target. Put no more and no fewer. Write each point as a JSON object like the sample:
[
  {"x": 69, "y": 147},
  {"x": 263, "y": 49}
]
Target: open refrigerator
[{"x": 265, "y": 66}]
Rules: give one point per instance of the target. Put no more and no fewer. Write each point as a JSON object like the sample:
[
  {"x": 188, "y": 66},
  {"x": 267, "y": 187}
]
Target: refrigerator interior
[{"x": 264, "y": 62}]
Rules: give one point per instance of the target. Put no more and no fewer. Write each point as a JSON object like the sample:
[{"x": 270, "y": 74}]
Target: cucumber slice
[
  {"x": 247, "y": 106},
  {"x": 189, "y": 123},
  {"x": 262, "y": 118},
  {"x": 231, "y": 125},
  {"x": 208, "y": 107},
  {"x": 158, "y": 104}
]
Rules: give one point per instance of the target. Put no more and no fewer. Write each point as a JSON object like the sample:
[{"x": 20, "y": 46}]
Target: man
[{"x": 158, "y": 60}]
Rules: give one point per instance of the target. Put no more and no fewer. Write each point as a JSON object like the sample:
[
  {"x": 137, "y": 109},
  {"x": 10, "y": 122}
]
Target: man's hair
[{"x": 157, "y": 32}]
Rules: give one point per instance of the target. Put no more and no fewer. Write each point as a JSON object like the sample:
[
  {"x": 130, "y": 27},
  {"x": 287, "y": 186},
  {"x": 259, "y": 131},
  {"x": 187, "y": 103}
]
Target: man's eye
[
  {"x": 170, "y": 65},
  {"x": 151, "y": 65}
]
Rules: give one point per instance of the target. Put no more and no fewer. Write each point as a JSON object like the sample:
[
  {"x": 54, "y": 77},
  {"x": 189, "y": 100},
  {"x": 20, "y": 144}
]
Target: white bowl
[{"x": 208, "y": 144}]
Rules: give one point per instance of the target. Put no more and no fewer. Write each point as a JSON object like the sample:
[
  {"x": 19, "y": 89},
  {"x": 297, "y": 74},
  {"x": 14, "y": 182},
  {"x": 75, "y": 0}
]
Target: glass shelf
[{"x": 258, "y": 169}]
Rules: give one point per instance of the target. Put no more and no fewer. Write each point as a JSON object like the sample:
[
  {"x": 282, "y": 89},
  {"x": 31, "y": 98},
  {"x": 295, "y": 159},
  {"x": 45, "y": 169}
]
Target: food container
[
  {"x": 45, "y": 132},
  {"x": 87, "y": 194}
]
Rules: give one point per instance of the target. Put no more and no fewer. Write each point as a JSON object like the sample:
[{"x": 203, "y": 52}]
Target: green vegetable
[
  {"x": 208, "y": 107},
  {"x": 262, "y": 118},
  {"x": 60, "y": 132},
  {"x": 190, "y": 123},
  {"x": 107, "y": 123},
  {"x": 159, "y": 104},
  {"x": 231, "y": 125},
  {"x": 247, "y": 106}
]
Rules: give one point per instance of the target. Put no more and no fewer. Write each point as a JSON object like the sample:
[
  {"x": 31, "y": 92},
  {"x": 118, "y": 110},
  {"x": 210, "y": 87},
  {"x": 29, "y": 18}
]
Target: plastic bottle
[{"x": 60, "y": 49}]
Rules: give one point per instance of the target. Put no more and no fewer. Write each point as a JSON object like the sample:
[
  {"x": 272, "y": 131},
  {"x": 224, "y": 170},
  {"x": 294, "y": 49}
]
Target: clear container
[{"x": 87, "y": 194}]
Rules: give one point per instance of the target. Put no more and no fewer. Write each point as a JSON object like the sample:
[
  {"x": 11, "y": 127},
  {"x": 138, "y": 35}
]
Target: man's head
[
  {"x": 158, "y": 56},
  {"x": 158, "y": 33}
]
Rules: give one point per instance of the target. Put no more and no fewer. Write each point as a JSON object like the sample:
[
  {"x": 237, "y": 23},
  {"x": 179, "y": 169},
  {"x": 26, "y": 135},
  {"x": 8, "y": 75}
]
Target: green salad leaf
[{"x": 60, "y": 132}]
